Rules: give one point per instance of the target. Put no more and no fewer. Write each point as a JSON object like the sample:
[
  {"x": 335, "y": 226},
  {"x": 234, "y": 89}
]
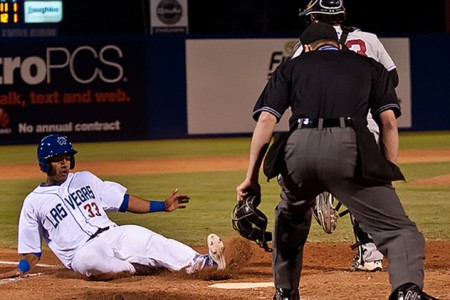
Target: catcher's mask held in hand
[{"x": 250, "y": 222}]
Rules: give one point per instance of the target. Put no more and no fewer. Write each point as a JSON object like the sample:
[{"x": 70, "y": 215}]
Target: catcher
[{"x": 69, "y": 210}]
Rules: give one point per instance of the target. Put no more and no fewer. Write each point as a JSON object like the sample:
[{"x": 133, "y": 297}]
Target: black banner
[{"x": 90, "y": 90}]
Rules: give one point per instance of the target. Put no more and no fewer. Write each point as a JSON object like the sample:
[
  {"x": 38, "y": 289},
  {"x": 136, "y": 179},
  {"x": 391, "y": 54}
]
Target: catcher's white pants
[
  {"x": 115, "y": 249},
  {"x": 370, "y": 253}
]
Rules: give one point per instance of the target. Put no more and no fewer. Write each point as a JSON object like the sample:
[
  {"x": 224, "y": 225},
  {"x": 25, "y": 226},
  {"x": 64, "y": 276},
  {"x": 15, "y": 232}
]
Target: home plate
[{"x": 242, "y": 285}]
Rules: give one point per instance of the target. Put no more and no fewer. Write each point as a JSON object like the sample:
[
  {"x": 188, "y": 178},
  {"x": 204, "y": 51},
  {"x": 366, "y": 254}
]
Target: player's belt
[
  {"x": 100, "y": 230},
  {"x": 324, "y": 123}
]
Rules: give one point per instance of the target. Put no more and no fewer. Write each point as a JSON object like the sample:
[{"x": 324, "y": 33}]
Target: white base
[{"x": 242, "y": 285}]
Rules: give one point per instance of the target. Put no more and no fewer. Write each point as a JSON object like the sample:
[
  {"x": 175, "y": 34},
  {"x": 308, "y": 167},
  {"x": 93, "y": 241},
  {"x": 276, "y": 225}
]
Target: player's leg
[
  {"x": 292, "y": 224},
  {"x": 377, "y": 208},
  {"x": 289, "y": 238},
  {"x": 368, "y": 258},
  {"x": 131, "y": 249},
  {"x": 96, "y": 260},
  {"x": 140, "y": 245},
  {"x": 381, "y": 214}
]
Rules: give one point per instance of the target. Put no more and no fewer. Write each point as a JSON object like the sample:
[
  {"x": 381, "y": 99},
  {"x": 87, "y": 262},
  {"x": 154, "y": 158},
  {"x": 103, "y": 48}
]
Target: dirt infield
[
  {"x": 326, "y": 273},
  {"x": 183, "y": 165}
]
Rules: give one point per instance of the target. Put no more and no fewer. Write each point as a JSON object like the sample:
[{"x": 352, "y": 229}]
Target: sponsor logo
[
  {"x": 62, "y": 140},
  {"x": 4, "y": 122},
  {"x": 169, "y": 11},
  {"x": 98, "y": 64},
  {"x": 43, "y": 11},
  {"x": 278, "y": 57}
]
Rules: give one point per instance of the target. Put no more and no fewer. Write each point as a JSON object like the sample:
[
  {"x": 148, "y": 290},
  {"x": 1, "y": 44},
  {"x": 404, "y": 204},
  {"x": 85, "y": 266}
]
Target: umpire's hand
[{"x": 245, "y": 188}]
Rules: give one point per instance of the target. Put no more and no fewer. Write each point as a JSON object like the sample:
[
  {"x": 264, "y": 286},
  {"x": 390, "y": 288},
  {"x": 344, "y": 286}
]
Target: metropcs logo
[{"x": 84, "y": 65}]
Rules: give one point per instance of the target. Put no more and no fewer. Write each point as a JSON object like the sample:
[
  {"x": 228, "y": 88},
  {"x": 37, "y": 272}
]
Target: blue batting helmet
[{"x": 53, "y": 145}]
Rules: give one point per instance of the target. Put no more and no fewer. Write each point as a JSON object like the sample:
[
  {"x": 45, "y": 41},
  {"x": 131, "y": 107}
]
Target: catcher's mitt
[
  {"x": 250, "y": 222},
  {"x": 325, "y": 213}
]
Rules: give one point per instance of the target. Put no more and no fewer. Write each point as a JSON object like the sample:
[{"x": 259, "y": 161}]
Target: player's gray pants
[{"x": 325, "y": 160}]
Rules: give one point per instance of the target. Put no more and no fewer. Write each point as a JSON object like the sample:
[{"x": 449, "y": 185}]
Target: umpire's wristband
[{"x": 157, "y": 206}]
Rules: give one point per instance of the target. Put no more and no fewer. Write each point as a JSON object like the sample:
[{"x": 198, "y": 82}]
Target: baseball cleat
[
  {"x": 286, "y": 294},
  {"x": 410, "y": 291},
  {"x": 216, "y": 250},
  {"x": 370, "y": 266}
]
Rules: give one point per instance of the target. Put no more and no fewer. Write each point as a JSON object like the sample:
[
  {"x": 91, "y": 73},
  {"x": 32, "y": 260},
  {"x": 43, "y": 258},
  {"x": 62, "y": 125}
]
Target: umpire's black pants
[{"x": 325, "y": 160}]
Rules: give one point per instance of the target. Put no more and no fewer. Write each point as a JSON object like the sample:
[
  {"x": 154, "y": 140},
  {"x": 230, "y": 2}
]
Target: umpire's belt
[
  {"x": 100, "y": 230},
  {"x": 323, "y": 123}
]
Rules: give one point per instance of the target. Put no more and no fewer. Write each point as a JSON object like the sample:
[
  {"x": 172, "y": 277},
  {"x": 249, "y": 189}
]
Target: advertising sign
[
  {"x": 43, "y": 11},
  {"x": 89, "y": 90},
  {"x": 168, "y": 16},
  {"x": 226, "y": 76}
]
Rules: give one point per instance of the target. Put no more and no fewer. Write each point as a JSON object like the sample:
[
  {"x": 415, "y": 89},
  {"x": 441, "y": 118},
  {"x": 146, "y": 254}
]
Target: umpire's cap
[{"x": 318, "y": 31}]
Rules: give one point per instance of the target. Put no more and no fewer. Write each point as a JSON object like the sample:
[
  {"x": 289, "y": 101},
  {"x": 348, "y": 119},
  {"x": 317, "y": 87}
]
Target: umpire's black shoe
[
  {"x": 286, "y": 294},
  {"x": 410, "y": 291}
]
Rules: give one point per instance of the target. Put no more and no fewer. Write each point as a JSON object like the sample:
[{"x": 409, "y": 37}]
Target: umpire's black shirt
[{"x": 328, "y": 83}]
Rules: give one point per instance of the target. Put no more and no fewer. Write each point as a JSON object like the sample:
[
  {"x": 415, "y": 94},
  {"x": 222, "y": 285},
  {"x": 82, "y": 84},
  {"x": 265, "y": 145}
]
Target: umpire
[{"x": 329, "y": 148}]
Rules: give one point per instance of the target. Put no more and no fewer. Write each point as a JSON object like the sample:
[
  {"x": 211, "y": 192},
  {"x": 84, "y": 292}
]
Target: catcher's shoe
[
  {"x": 366, "y": 266},
  {"x": 286, "y": 294},
  {"x": 216, "y": 250},
  {"x": 410, "y": 292}
]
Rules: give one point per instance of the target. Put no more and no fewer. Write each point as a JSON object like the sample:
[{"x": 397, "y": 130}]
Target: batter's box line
[
  {"x": 8, "y": 280},
  {"x": 38, "y": 265}
]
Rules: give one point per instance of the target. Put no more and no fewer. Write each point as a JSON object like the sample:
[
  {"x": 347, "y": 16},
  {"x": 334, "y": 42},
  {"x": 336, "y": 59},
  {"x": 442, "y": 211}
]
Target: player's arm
[
  {"x": 389, "y": 142},
  {"x": 386, "y": 60},
  {"x": 393, "y": 74},
  {"x": 26, "y": 264},
  {"x": 258, "y": 147},
  {"x": 139, "y": 205}
]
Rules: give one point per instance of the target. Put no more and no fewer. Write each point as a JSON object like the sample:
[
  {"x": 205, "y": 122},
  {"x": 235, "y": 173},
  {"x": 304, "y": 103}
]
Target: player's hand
[
  {"x": 175, "y": 201},
  {"x": 11, "y": 274}
]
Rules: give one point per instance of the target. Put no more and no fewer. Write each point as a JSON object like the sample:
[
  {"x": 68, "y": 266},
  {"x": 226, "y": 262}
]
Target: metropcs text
[{"x": 60, "y": 61}]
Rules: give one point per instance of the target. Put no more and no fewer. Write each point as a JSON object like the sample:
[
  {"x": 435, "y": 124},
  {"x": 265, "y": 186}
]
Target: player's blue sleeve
[{"x": 124, "y": 206}]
